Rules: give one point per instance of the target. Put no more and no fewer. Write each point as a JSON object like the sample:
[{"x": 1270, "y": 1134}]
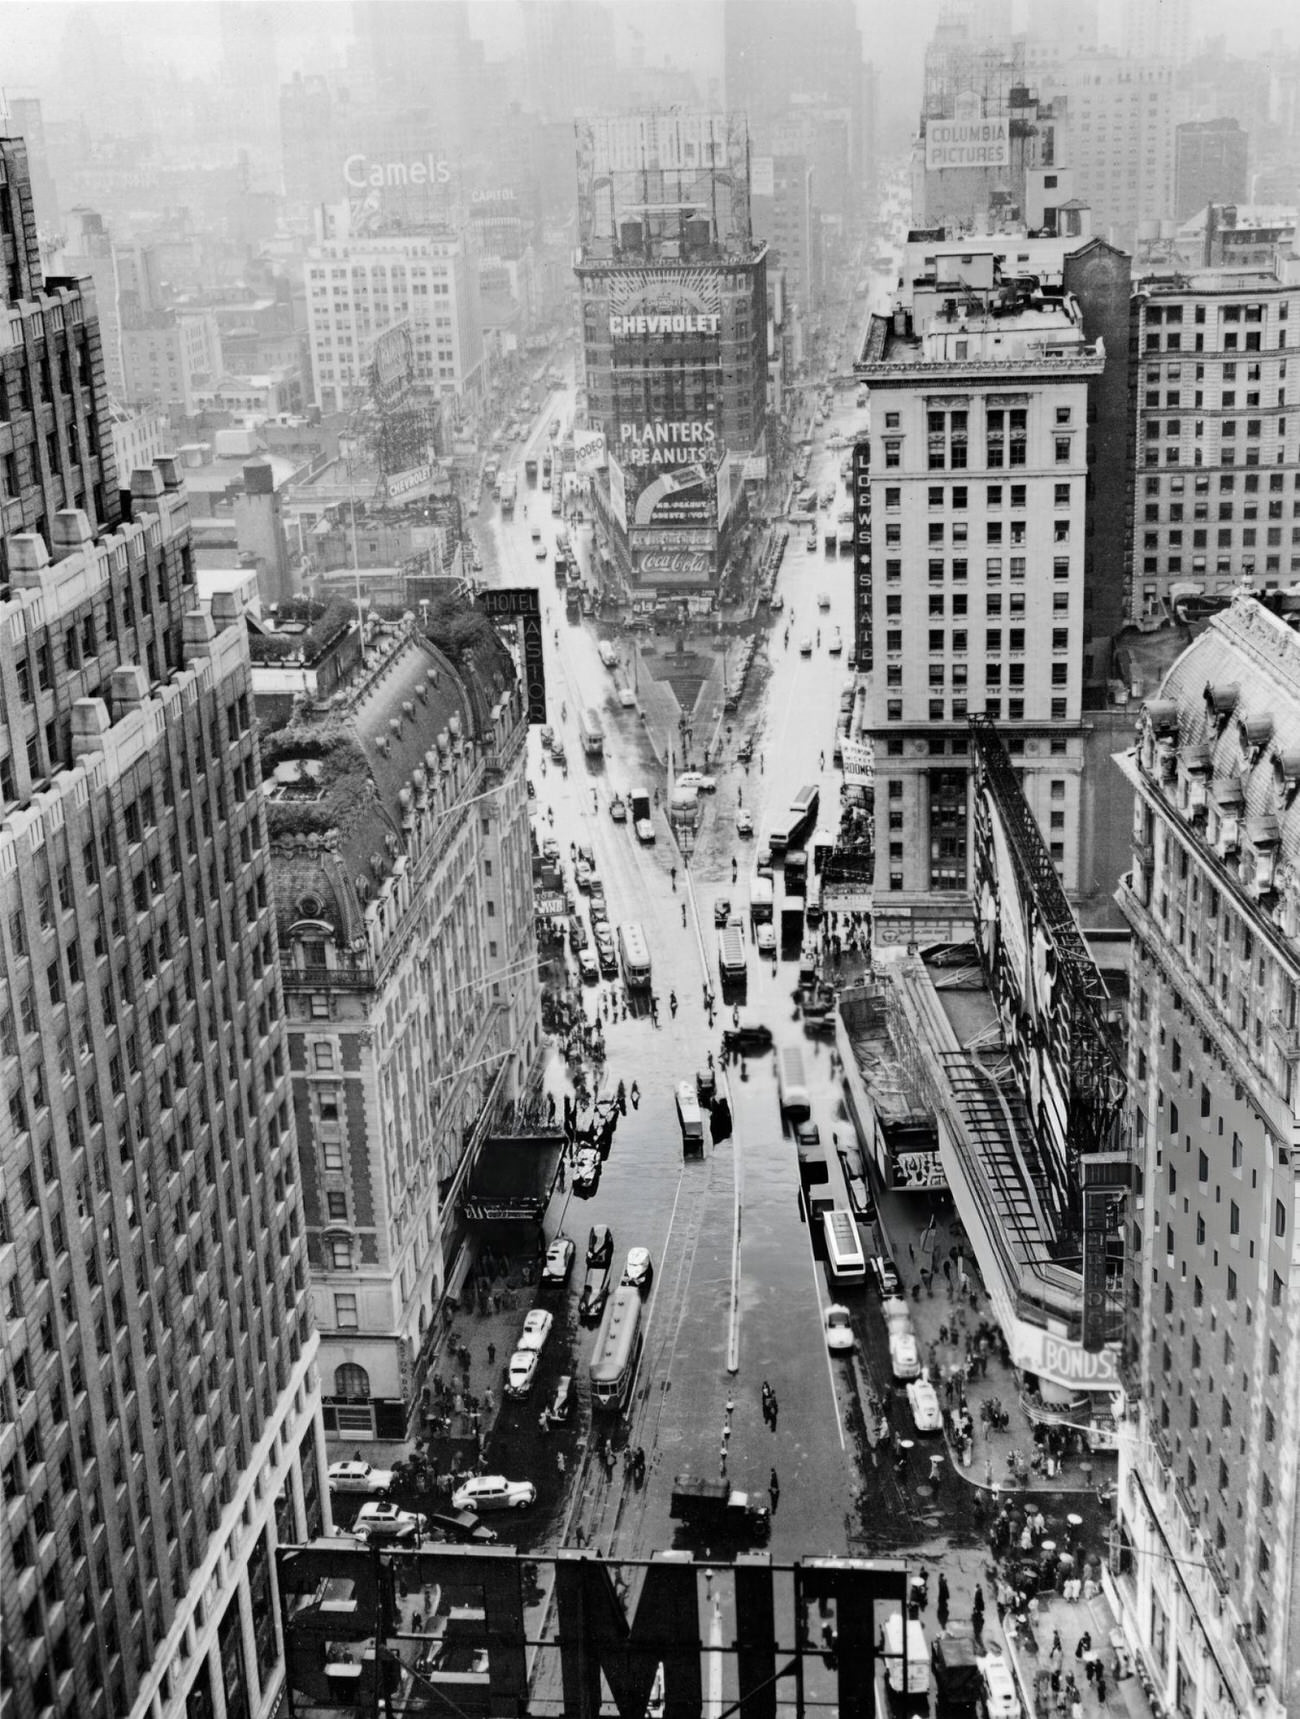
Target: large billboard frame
[{"x": 1049, "y": 993}]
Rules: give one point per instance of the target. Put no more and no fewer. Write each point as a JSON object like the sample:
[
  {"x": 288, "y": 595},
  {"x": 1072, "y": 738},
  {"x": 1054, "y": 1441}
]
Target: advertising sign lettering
[
  {"x": 674, "y": 566},
  {"x": 522, "y": 604},
  {"x": 685, "y": 496},
  {"x": 617, "y": 493},
  {"x": 675, "y": 540},
  {"x": 645, "y": 304},
  {"x": 588, "y": 450},
  {"x": 967, "y": 143},
  {"x": 919, "y": 1170},
  {"x": 360, "y": 172},
  {"x": 402, "y": 483},
  {"x": 666, "y": 443}
]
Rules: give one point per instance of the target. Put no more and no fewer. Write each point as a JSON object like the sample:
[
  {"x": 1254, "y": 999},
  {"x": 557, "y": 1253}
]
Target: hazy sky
[{"x": 184, "y": 32}]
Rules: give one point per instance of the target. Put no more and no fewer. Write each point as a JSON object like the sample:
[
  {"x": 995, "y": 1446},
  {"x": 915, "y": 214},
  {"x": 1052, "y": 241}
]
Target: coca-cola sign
[{"x": 679, "y": 565}]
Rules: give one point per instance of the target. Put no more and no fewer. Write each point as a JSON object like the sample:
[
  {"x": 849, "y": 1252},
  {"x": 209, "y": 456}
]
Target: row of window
[
  {"x": 957, "y": 496},
  {"x": 956, "y": 711},
  {"x": 959, "y": 569}
]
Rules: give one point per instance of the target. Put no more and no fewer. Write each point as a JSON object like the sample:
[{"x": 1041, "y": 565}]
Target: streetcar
[
  {"x": 617, "y": 1352},
  {"x": 635, "y": 953}
]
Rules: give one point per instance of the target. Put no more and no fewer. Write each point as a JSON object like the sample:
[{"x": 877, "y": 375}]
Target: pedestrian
[
  {"x": 560, "y": 1463},
  {"x": 941, "y": 1608},
  {"x": 673, "y": 874},
  {"x": 911, "y": 1253},
  {"x": 683, "y": 916},
  {"x": 774, "y": 1490},
  {"x": 943, "y": 1590},
  {"x": 1101, "y": 1685},
  {"x": 1083, "y": 1645},
  {"x": 544, "y": 1422},
  {"x": 722, "y": 1462},
  {"x": 489, "y": 1401}
]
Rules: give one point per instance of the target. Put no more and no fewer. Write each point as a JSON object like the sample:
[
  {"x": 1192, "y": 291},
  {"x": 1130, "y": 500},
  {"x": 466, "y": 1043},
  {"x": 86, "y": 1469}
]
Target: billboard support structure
[{"x": 1095, "y": 1074}]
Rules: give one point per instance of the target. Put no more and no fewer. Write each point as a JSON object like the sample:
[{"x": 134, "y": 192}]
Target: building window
[
  {"x": 336, "y": 1206},
  {"x": 340, "y": 1253},
  {"x": 345, "y": 1313},
  {"x": 351, "y": 1380}
]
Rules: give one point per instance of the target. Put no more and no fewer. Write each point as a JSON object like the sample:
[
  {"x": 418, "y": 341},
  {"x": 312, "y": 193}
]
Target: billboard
[
  {"x": 967, "y": 143},
  {"x": 685, "y": 495},
  {"x": 665, "y": 304},
  {"x": 522, "y": 606},
  {"x": 617, "y": 493},
  {"x": 1048, "y": 992},
  {"x": 667, "y": 442},
  {"x": 674, "y": 566},
  {"x": 588, "y": 451}
]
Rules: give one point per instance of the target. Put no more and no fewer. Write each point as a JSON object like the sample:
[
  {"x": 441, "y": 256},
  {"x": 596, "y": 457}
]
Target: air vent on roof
[
  {"x": 408, "y": 707},
  {"x": 1222, "y": 699}
]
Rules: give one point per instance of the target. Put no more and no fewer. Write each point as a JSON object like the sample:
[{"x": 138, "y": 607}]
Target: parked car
[
  {"x": 607, "y": 957},
  {"x": 837, "y": 643},
  {"x": 807, "y": 1133},
  {"x": 562, "y": 1401},
  {"x": 805, "y": 645},
  {"x": 600, "y": 1245},
  {"x": 839, "y": 1329},
  {"x": 626, "y": 697},
  {"x": 645, "y": 831},
  {"x": 639, "y": 1268},
  {"x": 582, "y": 875},
  {"x": 721, "y": 910},
  {"x": 494, "y": 1492},
  {"x": 557, "y": 751},
  {"x": 618, "y": 809},
  {"x": 886, "y": 1275},
  {"x": 765, "y": 938},
  {"x": 588, "y": 968},
  {"x": 586, "y": 1169},
  {"x": 823, "y": 599},
  {"x": 924, "y": 1401},
  {"x": 359, "y": 1477},
  {"x": 387, "y": 1522},
  {"x": 537, "y": 1328},
  {"x": 904, "y": 1356},
  {"x": 896, "y": 1313},
  {"x": 559, "y": 1260},
  {"x": 521, "y": 1372}
]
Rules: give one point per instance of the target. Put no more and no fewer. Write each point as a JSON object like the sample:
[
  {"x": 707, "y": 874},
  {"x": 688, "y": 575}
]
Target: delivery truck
[
  {"x": 714, "y": 1507},
  {"x": 760, "y": 899}
]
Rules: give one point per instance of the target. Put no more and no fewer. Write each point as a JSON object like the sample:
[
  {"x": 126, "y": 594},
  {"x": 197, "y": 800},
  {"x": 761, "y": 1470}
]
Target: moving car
[
  {"x": 924, "y": 1400},
  {"x": 896, "y": 1313},
  {"x": 359, "y": 1477},
  {"x": 462, "y": 1527},
  {"x": 588, "y": 968},
  {"x": 600, "y": 1245},
  {"x": 550, "y": 848},
  {"x": 744, "y": 823},
  {"x": 823, "y": 599},
  {"x": 618, "y": 809},
  {"x": 494, "y": 1492},
  {"x": 608, "y": 655},
  {"x": 582, "y": 875},
  {"x": 387, "y": 1522},
  {"x": 837, "y": 643},
  {"x": 697, "y": 780},
  {"x": 747, "y": 1036},
  {"x": 562, "y": 1401},
  {"x": 886, "y": 1275},
  {"x": 639, "y": 1268},
  {"x": 839, "y": 1329},
  {"x": 805, "y": 645},
  {"x": 999, "y": 1688},
  {"x": 860, "y": 1200},
  {"x": 558, "y": 753},
  {"x": 765, "y": 939},
  {"x": 721, "y": 910},
  {"x": 537, "y": 1328},
  {"x": 807, "y": 1133},
  {"x": 521, "y": 1373},
  {"x": 626, "y": 697},
  {"x": 904, "y": 1356},
  {"x": 645, "y": 831},
  {"x": 548, "y": 736},
  {"x": 559, "y": 1260},
  {"x": 607, "y": 959}
]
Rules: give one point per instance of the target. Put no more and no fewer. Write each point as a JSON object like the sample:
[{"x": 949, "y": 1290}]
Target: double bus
[
  {"x": 617, "y": 1352},
  {"x": 691, "y": 1120},
  {"x": 636, "y": 955},
  {"x": 844, "y": 1252},
  {"x": 592, "y": 733},
  {"x": 803, "y": 815}
]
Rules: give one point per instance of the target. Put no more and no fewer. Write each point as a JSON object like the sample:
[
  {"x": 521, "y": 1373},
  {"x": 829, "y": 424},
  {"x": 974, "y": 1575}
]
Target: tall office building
[
  {"x": 1217, "y": 433},
  {"x": 55, "y": 451},
  {"x": 1121, "y": 118},
  {"x": 1205, "y": 1569},
  {"x": 1156, "y": 30},
  {"x": 1210, "y": 162},
  {"x": 88, "y": 250},
  {"x": 674, "y": 309},
  {"x": 359, "y": 286},
  {"x": 398, "y": 816},
  {"x": 159, "y": 1416},
  {"x": 788, "y": 55},
  {"x": 972, "y": 509},
  {"x": 569, "y": 55}
]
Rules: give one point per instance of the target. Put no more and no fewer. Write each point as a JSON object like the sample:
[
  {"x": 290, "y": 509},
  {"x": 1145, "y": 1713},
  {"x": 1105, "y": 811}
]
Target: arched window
[{"x": 351, "y": 1381}]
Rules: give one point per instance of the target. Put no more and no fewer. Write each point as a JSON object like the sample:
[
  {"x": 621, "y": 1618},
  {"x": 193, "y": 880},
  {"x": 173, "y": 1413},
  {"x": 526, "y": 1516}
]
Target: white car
[
  {"x": 582, "y": 875},
  {"x": 537, "y": 1328},
  {"x": 805, "y": 645},
  {"x": 1000, "y": 1698},
  {"x": 521, "y": 1374},
  {"x": 387, "y": 1522},
  {"x": 904, "y": 1356},
  {"x": 744, "y": 823},
  {"x": 359, "y": 1477},
  {"x": 837, "y": 643},
  {"x": 691, "y": 779},
  {"x": 765, "y": 939},
  {"x": 608, "y": 655},
  {"x": 626, "y": 697},
  {"x": 639, "y": 1268},
  {"x": 839, "y": 1330},
  {"x": 559, "y": 1260},
  {"x": 823, "y": 599},
  {"x": 924, "y": 1400},
  {"x": 645, "y": 831},
  {"x": 493, "y": 1492},
  {"x": 898, "y": 1315}
]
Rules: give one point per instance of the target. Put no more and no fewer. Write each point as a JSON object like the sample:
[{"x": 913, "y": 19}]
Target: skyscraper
[
  {"x": 159, "y": 1417},
  {"x": 1210, "y": 161},
  {"x": 1205, "y": 1572}
]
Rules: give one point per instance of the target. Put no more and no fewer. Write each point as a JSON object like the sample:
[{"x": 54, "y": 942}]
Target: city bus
[
  {"x": 618, "y": 1349},
  {"x": 844, "y": 1252},
  {"x": 691, "y": 1120},
  {"x": 803, "y": 815},
  {"x": 636, "y": 955},
  {"x": 592, "y": 733}
]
